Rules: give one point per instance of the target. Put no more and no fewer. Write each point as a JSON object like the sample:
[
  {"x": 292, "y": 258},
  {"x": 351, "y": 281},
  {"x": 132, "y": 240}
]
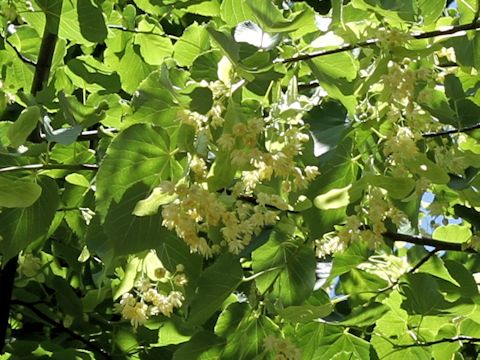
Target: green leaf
[
  {"x": 222, "y": 172},
  {"x": 23, "y": 226},
  {"x": 173, "y": 332},
  {"x": 157, "y": 104},
  {"x": 91, "y": 21},
  {"x": 77, "y": 113},
  {"x": 467, "y": 10},
  {"x": 317, "y": 306},
  {"x": 361, "y": 285},
  {"x": 234, "y": 12},
  {"x": 397, "y": 187},
  {"x": 132, "y": 69},
  {"x": 430, "y": 11},
  {"x": 19, "y": 131},
  {"x": 452, "y": 233},
  {"x": 202, "y": 100},
  {"x": 435, "y": 266},
  {"x": 150, "y": 205},
  {"x": 336, "y": 66},
  {"x": 350, "y": 345},
  {"x": 365, "y": 316},
  {"x": 173, "y": 251},
  {"x": 124, "y": 229},
  {"x": 437, "y": 105},
  {"x": 78, "y": 179},
  {"x": 245, "y": 341},
  {"x": 327, "y": 124},
  {"x": 289, "y": 270},
  {"x": 66, "y": 297},
  {"x": 88, "y": 73},
  {"x": 311, "y": 338},
  {"x": 271, "y": 18},
  {"x": 140, "y": 153},
  {"x": 421, "y": 165},
  {"x": 215, "y": 284},
  {"x": 193, "y": 42},
  {"x": 205, "y": 66},
  {"x": 338, "y": 172},
  {"x": 18, "y": 193},
  {"x": 128, "y": 279},
  {"x": 422, "y": 295},
  {"x": 80, "y": 20},
  {"x": 333, "y": 77},
  {"x": 64, "y": 135},
  {"x": 155, "y": 46},
  {"x": 323, "y": 342},
  {"x": 203, "y": 345},
  {"x": 333, "y": 199}
]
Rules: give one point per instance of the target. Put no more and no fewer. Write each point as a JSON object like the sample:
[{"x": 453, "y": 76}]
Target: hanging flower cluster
[
  {"x": 149, "y": 299},
  {"x": 260, "y": 151},
  {"x": 282, "y": 348}
]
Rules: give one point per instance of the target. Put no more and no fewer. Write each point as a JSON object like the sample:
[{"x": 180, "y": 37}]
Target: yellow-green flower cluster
[
  {"x": 392, "y": 38},
  {"x": 260, "y": 150},
  {"x": 196, "y": 211},
  {"x": 146, "y": 300},
  {"x": 282, "y": 348}
]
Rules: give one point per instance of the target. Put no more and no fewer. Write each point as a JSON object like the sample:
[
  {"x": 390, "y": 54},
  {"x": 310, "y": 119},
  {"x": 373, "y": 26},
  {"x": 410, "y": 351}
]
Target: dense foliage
[{"x": 226, "y": 179}]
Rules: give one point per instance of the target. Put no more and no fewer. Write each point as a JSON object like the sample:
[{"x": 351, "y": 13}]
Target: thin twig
[
  {"x": 422, "y": 261},
  {"x": 370, "y": 42},
  {"x": 463, "y": 338},
  {"x": 89, "y": 134},
  {"x": 135, "y": 31},
  {"x": 30, "y": 167},
  {"x": 62, "y": 328},
  {"x": 452, "y": 131},
  {"x": 426, "y": 241}
]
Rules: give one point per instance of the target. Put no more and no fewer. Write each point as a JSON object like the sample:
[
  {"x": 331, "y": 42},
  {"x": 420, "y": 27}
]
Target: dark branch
[
  {"x": 133, "y": 31},
  {"x": 452, "y": 131},
  {"x": 422, "y": 261},
  {"x": 371, "y": 42},
  {"x": 7, "y": 279},
  {"x": 462, "y": 338},
  {"x": 426, "y": 241},
  {"x": 73, "y": 167},
  {"x": 62, "y": 328}
]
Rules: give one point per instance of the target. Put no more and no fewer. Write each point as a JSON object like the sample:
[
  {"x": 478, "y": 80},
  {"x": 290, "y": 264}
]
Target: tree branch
[
  {"x": 135, "y": 31},
  {"x": 7, "y": 279},
  {"x": 370, "y": 42},
  {"x": 452, "y": 131},
  {"x": 73, "y": 167},
  {"x": 463, "y": 338},
  {"x": 40, "y": 78},
  {"x": 62, "y": 328},
  {"x": 426, "y": 241},
  {"x": 88, "y": 134}
]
